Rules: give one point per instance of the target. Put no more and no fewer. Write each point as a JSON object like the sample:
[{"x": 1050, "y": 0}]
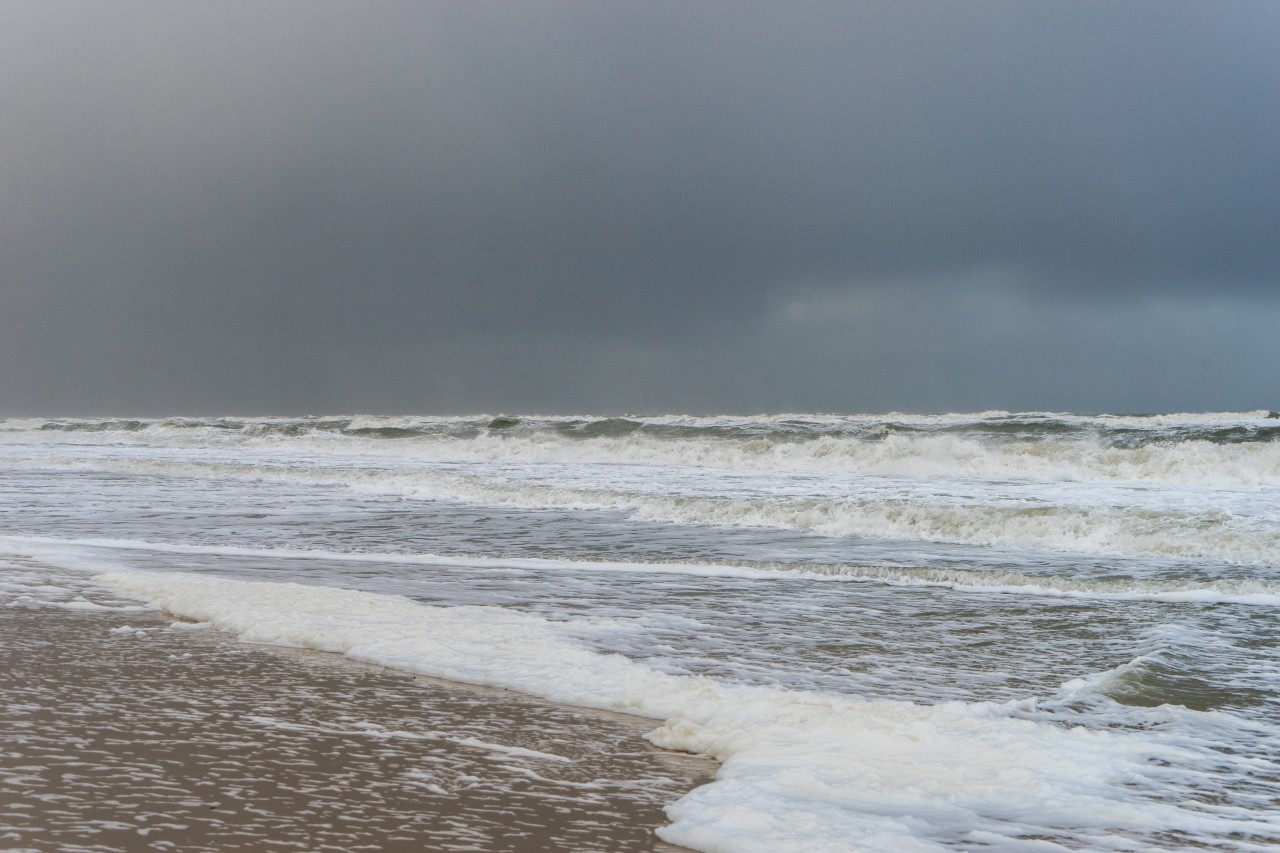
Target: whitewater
[{"x": 998, "y": 630}]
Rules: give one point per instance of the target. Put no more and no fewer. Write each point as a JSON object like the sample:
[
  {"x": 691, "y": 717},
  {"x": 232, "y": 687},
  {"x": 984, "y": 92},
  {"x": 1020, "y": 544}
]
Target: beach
[
  {"x": 873, "y": 633},
  {"x": 132, "y": 732},
  {"x": 818, "y": 427}
]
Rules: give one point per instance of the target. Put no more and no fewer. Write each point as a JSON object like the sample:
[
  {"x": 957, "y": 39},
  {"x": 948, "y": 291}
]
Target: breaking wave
[
  {"x": 1228, "y": 449},
  {"x": 1170, "y": 532}
]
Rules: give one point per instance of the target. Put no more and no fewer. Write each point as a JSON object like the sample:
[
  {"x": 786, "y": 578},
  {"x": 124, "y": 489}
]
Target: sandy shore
[{"x": 121, "y": 732}]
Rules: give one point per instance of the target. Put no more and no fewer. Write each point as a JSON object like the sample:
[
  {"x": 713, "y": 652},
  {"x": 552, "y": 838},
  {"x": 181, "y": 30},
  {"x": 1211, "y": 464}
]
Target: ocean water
[{"x": 1012, "y": 631}]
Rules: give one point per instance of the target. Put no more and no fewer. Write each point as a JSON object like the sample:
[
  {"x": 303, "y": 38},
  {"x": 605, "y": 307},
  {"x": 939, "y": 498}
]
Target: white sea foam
[
  {"x": 801, "y": 771},
  {"x": 80, "y": 554}
]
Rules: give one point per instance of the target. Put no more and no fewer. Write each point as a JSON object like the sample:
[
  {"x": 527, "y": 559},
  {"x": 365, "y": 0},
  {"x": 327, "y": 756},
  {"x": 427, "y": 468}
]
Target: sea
[{"x": 986, "y": 631}]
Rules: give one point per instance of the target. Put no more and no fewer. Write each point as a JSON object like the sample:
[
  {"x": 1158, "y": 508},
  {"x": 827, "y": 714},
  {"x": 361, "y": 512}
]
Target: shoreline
[{"x": 129, "y": 731}]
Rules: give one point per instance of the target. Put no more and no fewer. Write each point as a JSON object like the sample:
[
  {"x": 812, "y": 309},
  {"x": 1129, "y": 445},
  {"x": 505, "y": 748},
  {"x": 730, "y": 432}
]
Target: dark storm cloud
[{"x": 407, "y": 205}]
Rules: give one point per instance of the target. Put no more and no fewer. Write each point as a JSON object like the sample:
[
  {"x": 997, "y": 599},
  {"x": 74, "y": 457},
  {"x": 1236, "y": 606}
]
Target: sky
[{"x": 448, "y": 207}]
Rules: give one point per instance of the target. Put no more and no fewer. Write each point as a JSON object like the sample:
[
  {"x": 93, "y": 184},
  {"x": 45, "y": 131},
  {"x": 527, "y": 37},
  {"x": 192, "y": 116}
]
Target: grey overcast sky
[{"x": 438, "y": 207}]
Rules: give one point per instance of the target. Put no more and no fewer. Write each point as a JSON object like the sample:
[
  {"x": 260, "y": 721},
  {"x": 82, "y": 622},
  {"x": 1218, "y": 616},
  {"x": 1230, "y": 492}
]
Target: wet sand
[{"x": 122, "y": 732}]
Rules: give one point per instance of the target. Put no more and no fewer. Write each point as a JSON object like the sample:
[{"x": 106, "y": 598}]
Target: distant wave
[
  {"x": 1224, "y": 449},
  {"x": 1224, "y": 427}
]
